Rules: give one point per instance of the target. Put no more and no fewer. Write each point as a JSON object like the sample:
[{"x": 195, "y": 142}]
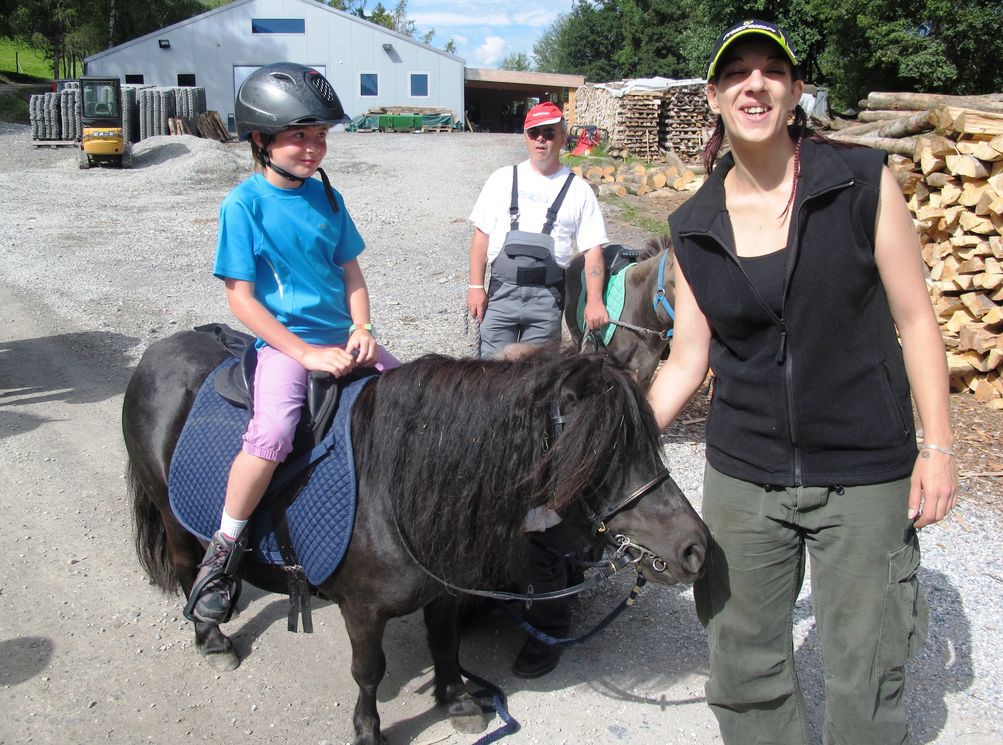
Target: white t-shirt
[{"x": 579, "y": 225}]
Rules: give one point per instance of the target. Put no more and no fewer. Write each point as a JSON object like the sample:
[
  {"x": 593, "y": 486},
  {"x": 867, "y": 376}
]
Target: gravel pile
[{"x": 129, "y": 253}]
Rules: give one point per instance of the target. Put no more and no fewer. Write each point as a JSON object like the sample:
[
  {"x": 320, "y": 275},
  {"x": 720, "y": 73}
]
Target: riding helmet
[{"x": 282, "y": 95}]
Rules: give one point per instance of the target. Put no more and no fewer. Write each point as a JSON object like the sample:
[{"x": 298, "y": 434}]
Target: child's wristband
[
  {"x": 475, "y": 287},
  {"x": 356, "y": 326}
]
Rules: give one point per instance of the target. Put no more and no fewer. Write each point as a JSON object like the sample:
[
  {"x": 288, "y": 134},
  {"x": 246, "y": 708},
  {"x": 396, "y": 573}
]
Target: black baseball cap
[{"x": 742, "y": 32}]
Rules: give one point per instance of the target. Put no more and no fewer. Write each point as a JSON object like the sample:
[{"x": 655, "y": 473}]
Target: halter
[{"x": 659, "y": 299}]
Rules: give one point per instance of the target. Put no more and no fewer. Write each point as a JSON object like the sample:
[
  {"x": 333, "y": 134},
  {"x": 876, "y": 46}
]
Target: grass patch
[
  {"x": 20, "y": 59},
  {"x": 630, "y": 213},
  {"x": 13, "y": 108}
]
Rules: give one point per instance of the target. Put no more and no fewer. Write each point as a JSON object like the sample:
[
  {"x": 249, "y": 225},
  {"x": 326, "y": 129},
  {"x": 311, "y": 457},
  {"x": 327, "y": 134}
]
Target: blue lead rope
[{"x": 499, "y": 703}]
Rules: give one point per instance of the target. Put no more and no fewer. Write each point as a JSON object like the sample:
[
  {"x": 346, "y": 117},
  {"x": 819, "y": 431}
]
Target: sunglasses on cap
[{"x": 548, "y": 133}]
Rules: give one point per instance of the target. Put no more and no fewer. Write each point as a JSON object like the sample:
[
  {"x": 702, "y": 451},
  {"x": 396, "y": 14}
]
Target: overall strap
[
  {"x": 513, "y": 210},
  {"x": 556, "y": 206}
]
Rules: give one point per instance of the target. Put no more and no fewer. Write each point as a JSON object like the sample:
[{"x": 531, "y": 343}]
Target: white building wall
[{"x": 211, "y": 45}]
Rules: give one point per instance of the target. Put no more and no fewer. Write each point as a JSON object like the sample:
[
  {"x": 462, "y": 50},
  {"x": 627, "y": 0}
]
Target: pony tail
[{"x": 713, "y": 145}]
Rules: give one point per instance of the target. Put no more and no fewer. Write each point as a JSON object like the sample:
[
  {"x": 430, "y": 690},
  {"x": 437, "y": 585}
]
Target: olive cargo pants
[{"x": 870, "y": 615}]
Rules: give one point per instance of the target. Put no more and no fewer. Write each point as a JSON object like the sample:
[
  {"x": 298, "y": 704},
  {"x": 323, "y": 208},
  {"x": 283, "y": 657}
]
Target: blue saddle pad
[{"x": 320, "y": 519}]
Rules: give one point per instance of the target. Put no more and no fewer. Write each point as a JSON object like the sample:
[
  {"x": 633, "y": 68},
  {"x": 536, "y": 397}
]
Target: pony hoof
[
  {"x": 467, "y": 717},
  {"x": 223, "y": 662}
]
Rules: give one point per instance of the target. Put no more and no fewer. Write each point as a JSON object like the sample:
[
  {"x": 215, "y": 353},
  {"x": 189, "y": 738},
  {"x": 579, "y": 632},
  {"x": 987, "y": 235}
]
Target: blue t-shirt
[{"x": 291, "y": 244}]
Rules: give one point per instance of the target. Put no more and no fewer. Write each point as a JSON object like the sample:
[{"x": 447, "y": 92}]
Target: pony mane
[
  {"x": 463, "y": 448},
  {"x": 654, "y": 246}
]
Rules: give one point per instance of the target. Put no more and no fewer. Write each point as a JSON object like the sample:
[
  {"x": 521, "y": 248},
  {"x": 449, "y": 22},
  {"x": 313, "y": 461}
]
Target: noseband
[{"x": 622, "y": 543}]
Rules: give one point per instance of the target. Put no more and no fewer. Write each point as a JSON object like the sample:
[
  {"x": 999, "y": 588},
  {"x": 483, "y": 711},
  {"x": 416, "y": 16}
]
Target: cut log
[
  {"x": 921, "y": 101},
  {"x": 878, "y": 115},
  {"x": 966, "y": 165},
  {"x": 902, "y": 146},
  {"x": 612, "y": 189}
]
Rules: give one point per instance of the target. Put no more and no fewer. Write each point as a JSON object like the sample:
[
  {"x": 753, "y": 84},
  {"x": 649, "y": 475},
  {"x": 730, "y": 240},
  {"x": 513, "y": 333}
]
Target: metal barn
[{"x": 369, "y": 66}]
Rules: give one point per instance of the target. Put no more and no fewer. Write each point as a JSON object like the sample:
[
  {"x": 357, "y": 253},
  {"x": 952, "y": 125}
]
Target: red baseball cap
[{"x": 541, "y": 114}]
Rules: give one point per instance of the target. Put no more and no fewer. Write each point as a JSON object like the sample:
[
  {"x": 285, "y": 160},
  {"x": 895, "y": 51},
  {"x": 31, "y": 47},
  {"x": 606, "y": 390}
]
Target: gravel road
[{"x": 94, "y": 265}]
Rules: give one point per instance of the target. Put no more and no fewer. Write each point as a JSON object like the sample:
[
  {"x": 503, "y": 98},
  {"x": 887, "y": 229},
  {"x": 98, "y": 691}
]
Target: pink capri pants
[{"x": 279, "y": 393}]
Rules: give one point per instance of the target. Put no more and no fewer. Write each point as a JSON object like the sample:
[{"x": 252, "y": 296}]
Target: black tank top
[{"x": 766, "y": 273}]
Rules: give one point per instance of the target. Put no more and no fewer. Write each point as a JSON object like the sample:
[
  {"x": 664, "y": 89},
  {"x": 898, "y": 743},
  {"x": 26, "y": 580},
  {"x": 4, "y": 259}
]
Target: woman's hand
[{"x": 934, "y": 489}]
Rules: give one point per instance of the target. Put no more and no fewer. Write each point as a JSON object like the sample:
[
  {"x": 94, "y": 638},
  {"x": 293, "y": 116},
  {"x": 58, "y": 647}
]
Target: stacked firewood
[
  {"x": 638, "y": 120},
  {"x": 949, "y": 162},
  {"x": 686, "y": 120},
  {"x": 647, "y": 124},
  {"x": 638, "y": 179}
]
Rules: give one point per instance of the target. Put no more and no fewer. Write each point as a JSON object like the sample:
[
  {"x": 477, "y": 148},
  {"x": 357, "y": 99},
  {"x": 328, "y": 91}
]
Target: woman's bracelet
[
  {"x": 475, "y": 287},
  {"x": 938, "y": 448},
  {"x": 356, "y": 326}
]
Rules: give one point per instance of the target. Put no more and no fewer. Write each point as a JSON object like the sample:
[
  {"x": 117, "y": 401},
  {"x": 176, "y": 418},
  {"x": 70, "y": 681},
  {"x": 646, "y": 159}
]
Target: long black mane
[{"x": 467, "y": 446}]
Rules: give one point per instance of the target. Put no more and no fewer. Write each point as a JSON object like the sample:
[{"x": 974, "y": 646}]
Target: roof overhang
[{"x": 476, "y": 77}]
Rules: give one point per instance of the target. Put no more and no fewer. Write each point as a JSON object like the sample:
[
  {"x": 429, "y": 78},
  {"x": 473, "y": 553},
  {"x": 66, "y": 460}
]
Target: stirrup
[{"x": 199, "y": 587}]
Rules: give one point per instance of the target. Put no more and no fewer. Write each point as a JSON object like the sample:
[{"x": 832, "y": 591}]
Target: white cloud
[{"x": 491, "y": 52}]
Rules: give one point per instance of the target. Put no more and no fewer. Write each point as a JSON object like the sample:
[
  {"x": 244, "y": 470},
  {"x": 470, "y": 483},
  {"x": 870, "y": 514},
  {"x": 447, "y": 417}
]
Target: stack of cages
[{"x": 56, "y": 116}]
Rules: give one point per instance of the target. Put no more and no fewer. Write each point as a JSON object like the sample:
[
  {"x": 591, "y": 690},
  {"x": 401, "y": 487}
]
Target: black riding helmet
[{"x": 283, "y": 95}]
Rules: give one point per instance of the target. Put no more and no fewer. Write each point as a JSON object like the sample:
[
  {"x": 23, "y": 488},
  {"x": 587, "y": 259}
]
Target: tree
[
  {"x": 450, "y": 47},
  {"x": 517, "y": 61},
  {"x": 584, "y": 42}
]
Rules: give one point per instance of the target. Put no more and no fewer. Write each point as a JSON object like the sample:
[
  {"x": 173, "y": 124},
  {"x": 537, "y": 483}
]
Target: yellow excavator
[{"x": 103, "y": 139}]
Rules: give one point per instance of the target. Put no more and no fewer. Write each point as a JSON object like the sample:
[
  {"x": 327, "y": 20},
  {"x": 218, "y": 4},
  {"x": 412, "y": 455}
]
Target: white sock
[{"x": 231, "y": 528}]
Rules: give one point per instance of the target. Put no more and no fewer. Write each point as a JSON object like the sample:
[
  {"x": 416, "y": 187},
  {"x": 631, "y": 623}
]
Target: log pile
[
  {"x": 686, "y": 121},
  {"x": 648, "y": 124},
  {"x": 949, "y": 162},
  {"x": 211, "y": 127},
  {"x": 638, "y": 179}
]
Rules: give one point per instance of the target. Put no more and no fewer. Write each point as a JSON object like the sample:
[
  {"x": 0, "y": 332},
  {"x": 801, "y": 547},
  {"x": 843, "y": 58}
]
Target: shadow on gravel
[
  {"x": 70, "y": 368},
  {"x": 944, "y": 664},
  {"x": 942, "y": 667},
  {"x": 24, "y": 657}
]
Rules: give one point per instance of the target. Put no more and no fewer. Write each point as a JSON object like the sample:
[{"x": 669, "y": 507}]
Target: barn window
[
  {"x": 133, "y": 79},
  {"x": 278, "y": 26},
  {"x": 186, "y": 80},
  {"x": 369, "y": 84},
  {"x": 419, "y": 85}
]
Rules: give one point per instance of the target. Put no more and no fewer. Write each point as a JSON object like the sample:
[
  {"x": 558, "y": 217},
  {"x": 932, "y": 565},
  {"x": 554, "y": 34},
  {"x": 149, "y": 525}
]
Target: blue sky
[{"x": 485, "y": 31}]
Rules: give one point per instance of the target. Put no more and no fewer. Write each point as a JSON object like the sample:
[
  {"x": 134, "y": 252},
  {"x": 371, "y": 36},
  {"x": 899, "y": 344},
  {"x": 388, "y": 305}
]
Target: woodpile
[
  {"x": 648, "y": 124},
  {"x": 211, "y": 127},
  {"x": 949, "y": 162},
  {"x": 638, "y": 179},
  {"x": 686, "y": 121}
]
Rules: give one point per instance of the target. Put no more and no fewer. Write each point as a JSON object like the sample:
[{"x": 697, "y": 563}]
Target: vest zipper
[{"x": 782, "y": 352}]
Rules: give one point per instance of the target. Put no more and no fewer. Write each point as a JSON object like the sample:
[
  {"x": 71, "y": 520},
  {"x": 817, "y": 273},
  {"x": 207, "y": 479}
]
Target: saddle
[
  {"x": 312, "y": 443},
  {"x": 236, "y": 384},
  {"x": 617, "y": 257}
]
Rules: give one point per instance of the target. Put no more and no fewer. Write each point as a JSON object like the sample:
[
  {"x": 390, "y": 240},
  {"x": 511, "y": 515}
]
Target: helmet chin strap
[
  {"x": 328, "y": 190},
  {"x": 281, "y": 171}
]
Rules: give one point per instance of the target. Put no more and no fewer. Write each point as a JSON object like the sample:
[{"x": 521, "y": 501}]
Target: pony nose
[{"x": 692, "y": 557}]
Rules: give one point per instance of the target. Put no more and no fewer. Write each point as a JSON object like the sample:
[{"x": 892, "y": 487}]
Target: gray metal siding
[{"x": 210, "y": 45}]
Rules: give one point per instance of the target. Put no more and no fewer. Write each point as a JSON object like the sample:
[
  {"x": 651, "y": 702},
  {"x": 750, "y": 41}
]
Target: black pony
[
  {"x": 450, "y": 454},
  {"x": 645, "y": 324}
]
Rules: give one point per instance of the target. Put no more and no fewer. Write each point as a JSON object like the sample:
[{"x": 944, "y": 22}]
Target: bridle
[
  {"x": 658, "y": 300},
  {"x": 627, "y": 552}
]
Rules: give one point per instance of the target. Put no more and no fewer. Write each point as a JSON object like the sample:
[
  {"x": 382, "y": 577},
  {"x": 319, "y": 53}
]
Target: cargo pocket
[{"x": 904, "y": 618}]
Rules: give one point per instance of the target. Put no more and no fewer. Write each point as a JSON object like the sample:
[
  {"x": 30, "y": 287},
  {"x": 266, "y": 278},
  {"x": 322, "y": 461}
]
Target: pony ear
[{"x": 582, "y": 382}]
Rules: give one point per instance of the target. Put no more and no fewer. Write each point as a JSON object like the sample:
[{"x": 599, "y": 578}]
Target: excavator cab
[{"x": 101, "y": 121}]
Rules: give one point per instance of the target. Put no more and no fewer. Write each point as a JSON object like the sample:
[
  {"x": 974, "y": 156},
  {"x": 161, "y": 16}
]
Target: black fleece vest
[{"x": 819, "y": 396}]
